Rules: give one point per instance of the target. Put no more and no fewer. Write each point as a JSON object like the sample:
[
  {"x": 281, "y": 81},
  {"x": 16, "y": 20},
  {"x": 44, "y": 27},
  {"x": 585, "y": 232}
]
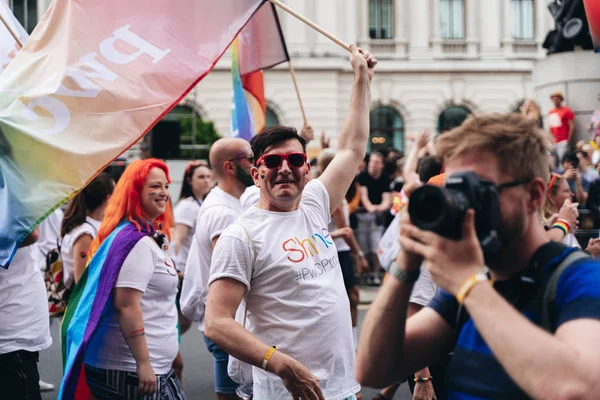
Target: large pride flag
[
  {"x": 91, "y": 298},
  {"x": 260, "y": 45},
  {"x": 91, "y": 80},
  {"x": 8, "y": 45}
]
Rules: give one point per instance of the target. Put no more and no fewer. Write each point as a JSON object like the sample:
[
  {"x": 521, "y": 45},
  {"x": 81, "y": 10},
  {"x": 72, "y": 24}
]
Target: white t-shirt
[
  {"x": 250, "y": 197},
  {"x": 148, "y": 269},
  {"x": 49, "y": 238},
  {"x": 89, "y": 227},
  {"x": 340, "y": 242},
  {"x": 186, "y": 212},
  {"x": 24, "y": 318},
  {"x": 296, "y": 296},
  {"x": 571, "y": 241},
  {"x": 424, "y": 290},
  {"x": 218, "y": 211}
]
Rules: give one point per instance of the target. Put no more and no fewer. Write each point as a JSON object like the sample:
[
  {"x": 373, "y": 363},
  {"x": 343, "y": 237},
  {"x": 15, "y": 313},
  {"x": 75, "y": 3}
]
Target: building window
[
  {"x": 381, "y": 19},
  {"x": 452, "y": 117},
  {"x": 452, "y": 19},
  {"x": 522, "y": 15},
  {"x": 26, "y": 13},
  {"x": 387, "y": 129},
  {"x": 271, "y": 118}
]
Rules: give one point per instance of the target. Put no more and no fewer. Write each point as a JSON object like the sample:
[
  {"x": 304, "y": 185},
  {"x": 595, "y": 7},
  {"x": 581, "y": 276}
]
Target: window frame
[
  {"x": 379, "y": 4},
  {"x": 513, "y": 19},
  {"x": 396, "y": 134},
  {"x": 448, "y": 34}
]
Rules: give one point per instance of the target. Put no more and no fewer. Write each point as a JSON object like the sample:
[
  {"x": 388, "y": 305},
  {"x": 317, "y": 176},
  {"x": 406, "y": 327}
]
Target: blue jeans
[{"x": 223, "y": 383}]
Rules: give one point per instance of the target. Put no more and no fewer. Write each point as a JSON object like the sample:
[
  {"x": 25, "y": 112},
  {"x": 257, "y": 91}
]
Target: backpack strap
[{"x": 549, "y": 303}]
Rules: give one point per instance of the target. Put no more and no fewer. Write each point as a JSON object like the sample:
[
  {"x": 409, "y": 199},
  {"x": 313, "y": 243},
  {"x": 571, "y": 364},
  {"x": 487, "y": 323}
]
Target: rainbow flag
[
  {"x": 83, "y": 90},
  {"x": 260, "y": 45},
  {"x": 89, "y": 301}
]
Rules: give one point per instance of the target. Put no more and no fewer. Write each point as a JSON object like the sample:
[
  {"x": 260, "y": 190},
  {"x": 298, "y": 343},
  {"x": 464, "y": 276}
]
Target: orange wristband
[{"x": 466, "y": 287}]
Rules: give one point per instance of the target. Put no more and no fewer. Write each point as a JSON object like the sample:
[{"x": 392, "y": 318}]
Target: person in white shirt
[
  {"x": 280, "y": 257},
  {"x": 132, "y": 349},
  {"x": 80, "y": 225},
  {"x": 198, "y": 180},
  {"x": 24, "y": 324},
  {"x": 232, "y": 160},
  {"x": 49, "y": 237}
]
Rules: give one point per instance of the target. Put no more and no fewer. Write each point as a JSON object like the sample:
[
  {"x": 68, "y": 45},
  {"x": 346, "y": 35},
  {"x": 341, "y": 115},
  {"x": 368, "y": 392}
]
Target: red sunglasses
[{"x": 295, "y": 160}]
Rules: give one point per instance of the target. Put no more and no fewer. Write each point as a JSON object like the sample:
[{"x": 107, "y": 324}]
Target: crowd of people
[{"x": 264, "y": 250}]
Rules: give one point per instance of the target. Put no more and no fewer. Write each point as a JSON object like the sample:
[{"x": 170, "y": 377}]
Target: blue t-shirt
[{"x": 474, "y": 372}]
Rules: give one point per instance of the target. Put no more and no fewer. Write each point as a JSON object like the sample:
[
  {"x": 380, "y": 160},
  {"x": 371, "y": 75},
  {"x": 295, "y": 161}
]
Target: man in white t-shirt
[
  {"x": 280, "y": 257},
  {"x": 24, "y": 324},
  {"x": 231, "y": 160}
]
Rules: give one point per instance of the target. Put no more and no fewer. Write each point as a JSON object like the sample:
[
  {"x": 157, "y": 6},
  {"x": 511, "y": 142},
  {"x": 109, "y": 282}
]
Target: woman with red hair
[{"x": 127, "y": 337}]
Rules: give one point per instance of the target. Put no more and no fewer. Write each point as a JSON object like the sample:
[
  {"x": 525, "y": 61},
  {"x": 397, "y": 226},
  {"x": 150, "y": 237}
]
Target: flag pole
[
  {"x": 12, "y": 32},
  {"x": 297, "y": 91},
  {"x": 311, "y": 24}
]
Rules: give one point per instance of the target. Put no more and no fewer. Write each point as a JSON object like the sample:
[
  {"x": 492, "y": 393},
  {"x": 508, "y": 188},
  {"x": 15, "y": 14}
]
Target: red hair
[{"x": 124, "y": 204}]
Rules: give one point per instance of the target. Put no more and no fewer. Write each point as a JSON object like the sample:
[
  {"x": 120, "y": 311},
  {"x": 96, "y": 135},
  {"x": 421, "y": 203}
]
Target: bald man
[{"x": 231, "y": 160}]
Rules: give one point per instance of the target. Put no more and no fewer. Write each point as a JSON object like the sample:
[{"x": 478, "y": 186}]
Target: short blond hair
[{"x": 522, "y": 148}]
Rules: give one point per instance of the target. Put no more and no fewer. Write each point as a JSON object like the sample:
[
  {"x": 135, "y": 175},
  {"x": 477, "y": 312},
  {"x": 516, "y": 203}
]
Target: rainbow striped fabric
[
  {"x": 260, "y": 45},
  {"x": 88, "y": 301}
]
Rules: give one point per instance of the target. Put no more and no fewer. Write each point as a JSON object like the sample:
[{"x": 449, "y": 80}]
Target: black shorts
[
  {"x": 347, "y": 269},
  {"x": 19, "y": 377}
]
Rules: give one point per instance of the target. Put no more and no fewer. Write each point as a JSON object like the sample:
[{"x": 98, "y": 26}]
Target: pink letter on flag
[
  {"x": 260, "y": 45},
  {"x": 91, "y": 80}
]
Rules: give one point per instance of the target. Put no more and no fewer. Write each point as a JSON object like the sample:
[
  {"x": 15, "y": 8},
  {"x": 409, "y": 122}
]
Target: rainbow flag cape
[
  {"x": 260, "y": 45},
  {"x": 83, "y": 90},
  {"x": 89, "y": 299}
]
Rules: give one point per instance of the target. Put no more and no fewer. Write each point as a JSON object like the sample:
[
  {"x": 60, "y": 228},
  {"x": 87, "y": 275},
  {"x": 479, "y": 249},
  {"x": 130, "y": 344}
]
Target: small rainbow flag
[
  {"x": 260, "y": 45},
  {"x": 90, "y": 297}
]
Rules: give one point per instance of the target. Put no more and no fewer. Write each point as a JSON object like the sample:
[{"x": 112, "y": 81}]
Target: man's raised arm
[{"x": 352, "y": 144}]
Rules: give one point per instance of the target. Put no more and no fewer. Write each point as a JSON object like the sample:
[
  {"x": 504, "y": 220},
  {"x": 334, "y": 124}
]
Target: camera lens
[
  {"x": 427, "y": 207},
  {"x": 437, "y": 209}
]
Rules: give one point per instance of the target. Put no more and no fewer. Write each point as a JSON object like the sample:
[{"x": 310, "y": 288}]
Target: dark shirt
[
  {"x": 474, "y": 372},
  {"x": 375, "y": 187}
]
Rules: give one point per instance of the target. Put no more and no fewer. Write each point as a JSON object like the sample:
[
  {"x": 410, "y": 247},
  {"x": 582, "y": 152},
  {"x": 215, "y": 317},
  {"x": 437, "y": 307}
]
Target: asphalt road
[{"x": 197, "y": 372}]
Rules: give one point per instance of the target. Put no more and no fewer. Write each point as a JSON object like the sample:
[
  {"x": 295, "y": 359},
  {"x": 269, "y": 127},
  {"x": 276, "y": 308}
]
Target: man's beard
[
  {"x": 511, "y": 233},
  {"x": 244, "y": 177}
]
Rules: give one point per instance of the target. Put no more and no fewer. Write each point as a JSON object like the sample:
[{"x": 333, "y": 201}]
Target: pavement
[{"x": 198, "y": 363}]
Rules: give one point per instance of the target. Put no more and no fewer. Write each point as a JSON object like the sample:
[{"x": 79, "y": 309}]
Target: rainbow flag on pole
[
  {"x": 92, "y": 80},
  {"x": 260, "y": 45},
  {"x": 90, "y": 300}
]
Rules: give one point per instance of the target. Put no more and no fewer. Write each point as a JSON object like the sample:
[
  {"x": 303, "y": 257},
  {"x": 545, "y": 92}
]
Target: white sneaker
[{"x": 45, "y": 386}]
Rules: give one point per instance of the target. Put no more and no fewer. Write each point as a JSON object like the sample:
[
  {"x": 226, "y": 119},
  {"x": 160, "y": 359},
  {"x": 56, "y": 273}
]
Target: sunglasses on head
[
  {"x": 249, "y": 158},
  {"x": 295, "y": 160},
  {"x": 554, "y": 176}
]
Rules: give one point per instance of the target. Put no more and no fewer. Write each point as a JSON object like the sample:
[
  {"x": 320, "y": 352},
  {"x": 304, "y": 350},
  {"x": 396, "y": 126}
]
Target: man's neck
[
  {"x": 375, "y": 176},
  {"x": 516, "y": 258},
  {"x": 285, "y": 206},
  {"x": 232, "y": 187}
]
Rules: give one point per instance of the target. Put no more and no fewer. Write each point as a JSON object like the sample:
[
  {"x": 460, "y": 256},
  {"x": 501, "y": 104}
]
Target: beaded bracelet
[{"x": 423, "y": 379}]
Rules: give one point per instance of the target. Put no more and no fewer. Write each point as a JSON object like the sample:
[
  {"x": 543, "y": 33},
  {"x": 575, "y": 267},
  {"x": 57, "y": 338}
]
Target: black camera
[{"x": 442, "y": 209}]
